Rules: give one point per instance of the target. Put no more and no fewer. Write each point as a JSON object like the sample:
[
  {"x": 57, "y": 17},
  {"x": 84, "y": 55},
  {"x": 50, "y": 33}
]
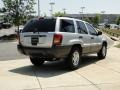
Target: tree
[
  {"x": 118, "y": 21},
  {"x": 59, "y": 14},
  {"x": 96, "y": 20},
  {"x": 2, "y": 10},
  {"x": 87, "y": 20},
  {"x": 19, "y": 10}
]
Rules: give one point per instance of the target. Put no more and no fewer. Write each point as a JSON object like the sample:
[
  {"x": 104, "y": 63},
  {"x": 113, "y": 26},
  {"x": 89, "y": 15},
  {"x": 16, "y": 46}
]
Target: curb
[{"x": 115, "y": 38}]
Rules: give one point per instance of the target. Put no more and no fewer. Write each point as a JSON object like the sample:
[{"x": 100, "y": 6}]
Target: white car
[{"x": 49, "y": 39}]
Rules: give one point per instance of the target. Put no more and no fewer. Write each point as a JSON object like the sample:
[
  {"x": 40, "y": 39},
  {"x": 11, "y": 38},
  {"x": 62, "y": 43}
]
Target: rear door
[
  {"x": 38, "y": 33},
  {"x": 67, "y": 29},
  {"x": 84, "y": 36}
]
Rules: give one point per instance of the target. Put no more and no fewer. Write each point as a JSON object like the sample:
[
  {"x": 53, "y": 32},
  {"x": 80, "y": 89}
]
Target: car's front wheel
[
  {"x": 74, "y": 58},
  {"x": 36, "y": 61},
  {"x": 102, "y": 53}
]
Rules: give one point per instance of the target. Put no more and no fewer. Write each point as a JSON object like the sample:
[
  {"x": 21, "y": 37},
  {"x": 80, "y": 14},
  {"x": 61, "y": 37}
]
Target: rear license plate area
[{"x": 34, "y": 40}]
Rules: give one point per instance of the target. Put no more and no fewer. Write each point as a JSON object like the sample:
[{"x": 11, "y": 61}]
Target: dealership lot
[
  {"x": 7, "y": 31},
  {"x": 93, "y": 74}
]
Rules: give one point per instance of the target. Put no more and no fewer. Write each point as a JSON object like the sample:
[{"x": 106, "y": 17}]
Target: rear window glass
[
  {"x": 42, "y": 25},
  {"x": 67, "y": 26}
]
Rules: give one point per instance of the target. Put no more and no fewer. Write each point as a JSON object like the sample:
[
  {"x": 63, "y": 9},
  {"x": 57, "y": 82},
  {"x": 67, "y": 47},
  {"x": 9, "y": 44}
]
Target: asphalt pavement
[
  {"x": 17, "y": 72},
  {"x": 8, "y": 51},
  {"x": 93, "y": 74}
]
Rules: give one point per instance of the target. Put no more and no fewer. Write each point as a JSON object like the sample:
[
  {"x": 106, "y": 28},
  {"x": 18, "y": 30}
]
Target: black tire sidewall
[
  {"x": 70, "y": 56},
  {"x": 100, "y": 54},
  {"x": 36, "y": 61}
]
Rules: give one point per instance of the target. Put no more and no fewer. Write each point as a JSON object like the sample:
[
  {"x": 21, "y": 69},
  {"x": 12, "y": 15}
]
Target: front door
[
  {"x": 94, "y": 38},
  {"x": 84, "y": 36}
]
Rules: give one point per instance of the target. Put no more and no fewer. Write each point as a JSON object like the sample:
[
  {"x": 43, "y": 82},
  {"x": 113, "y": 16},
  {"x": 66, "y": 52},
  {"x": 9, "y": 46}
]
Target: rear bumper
[{"x": 54, "y": 52}]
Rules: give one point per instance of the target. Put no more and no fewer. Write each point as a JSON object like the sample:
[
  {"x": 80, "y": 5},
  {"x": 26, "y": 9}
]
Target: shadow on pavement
[
  {"x": 51, "y": 69},
  {"x": 87, "y": 60}
]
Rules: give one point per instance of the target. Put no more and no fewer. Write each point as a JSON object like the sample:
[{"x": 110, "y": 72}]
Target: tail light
[{"x": 57, "y": 39}]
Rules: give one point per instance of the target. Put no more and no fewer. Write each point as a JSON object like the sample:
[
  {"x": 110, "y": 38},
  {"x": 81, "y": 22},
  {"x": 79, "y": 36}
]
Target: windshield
[{"x": 40, "y": 25}]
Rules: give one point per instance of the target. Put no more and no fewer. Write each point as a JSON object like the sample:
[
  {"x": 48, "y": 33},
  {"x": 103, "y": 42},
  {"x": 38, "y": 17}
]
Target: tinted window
[
  {"x": 91, "y": 29},
  {"x": 42, "y": 25},
  {"x": 67, "y": 26},
  {"x": 81, "y": 28}
]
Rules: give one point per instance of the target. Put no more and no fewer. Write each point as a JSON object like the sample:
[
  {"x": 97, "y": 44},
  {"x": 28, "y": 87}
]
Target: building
[{"x": 104, "y": 18}]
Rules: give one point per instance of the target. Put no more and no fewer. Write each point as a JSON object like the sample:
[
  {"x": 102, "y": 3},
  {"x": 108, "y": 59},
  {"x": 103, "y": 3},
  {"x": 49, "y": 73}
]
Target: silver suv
[{"x": 49, "y": 39}]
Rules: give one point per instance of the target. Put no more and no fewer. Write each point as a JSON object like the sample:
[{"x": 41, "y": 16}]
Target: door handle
[
  {"x": 92, "y": 37},
  {"x": 80, "y": 36}
]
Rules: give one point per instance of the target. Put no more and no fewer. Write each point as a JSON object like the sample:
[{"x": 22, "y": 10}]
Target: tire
[
  {"x": 36, "y": 61},
  {"x": 102, "y": 53},
  {"x": 74, "y": 59}
]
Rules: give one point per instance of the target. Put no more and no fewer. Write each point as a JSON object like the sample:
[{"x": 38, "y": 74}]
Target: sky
[{"x": 74, "y": 6}]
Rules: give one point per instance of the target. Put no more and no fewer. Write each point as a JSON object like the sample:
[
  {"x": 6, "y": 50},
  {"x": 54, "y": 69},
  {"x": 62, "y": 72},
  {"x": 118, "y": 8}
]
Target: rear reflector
[{"x": 57, "y": 39}]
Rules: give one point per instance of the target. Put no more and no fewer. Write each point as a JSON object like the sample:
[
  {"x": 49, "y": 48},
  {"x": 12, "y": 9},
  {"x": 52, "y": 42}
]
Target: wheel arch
[
  {"x": 78, "y": 46},
  {"x": 105, "y": 43}
]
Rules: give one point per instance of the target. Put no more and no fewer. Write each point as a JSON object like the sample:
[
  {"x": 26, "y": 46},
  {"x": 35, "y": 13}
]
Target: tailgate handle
[
  {"x": 42, "y": 35},
  {"x": 80, "y": 36},
  {"x": 35, "y": 36}
]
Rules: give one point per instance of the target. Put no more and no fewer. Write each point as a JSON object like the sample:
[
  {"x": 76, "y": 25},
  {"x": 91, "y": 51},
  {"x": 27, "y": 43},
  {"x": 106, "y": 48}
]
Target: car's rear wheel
[
  {"x": 102, "y": 53},
  {"x": 74, "y": 58},
  {"x": 36, "y": 61}
]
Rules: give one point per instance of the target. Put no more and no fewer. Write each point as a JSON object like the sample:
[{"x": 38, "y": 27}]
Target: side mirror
[{"x": 99, "y": 33}]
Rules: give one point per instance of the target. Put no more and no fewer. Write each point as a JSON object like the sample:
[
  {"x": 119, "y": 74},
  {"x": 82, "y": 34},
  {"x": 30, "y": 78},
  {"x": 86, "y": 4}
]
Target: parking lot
[
  {"x": 7, "y": 31},
  {"x": 93, "y": 74}
]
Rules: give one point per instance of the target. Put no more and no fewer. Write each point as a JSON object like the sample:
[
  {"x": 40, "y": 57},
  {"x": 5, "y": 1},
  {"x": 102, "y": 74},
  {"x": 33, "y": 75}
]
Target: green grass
[
  {"x": 115, "y": 31},
  {"x": 118, "y": 46},
  {"x": 112, "y": 32}
]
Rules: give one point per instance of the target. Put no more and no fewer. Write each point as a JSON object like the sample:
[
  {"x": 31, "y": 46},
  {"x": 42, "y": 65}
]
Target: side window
[
  {"x": 91, "y": 29},
  {"x": 67, "y": 26},
  {"x": 81, "y": 28}
]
